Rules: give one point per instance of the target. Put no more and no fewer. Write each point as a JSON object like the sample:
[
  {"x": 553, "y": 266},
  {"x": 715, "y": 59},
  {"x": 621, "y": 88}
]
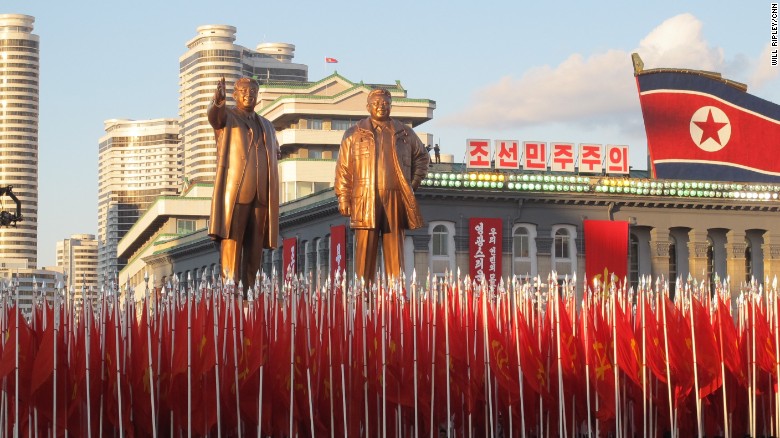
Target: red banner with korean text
[
  {"x": 338, "y": 250},
  {"x": 485, "y": 249},
  {"x": 289, "y": 256},
  {"x": 606, "y": 250}
]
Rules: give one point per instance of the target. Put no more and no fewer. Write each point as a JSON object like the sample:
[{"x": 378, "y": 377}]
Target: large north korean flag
[{"x": 701, "y": 127}]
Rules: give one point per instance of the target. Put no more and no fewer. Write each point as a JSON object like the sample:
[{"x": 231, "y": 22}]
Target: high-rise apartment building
[
  {"x": 211, "y": 55},
  {"x": 19, "y": 50},
  {"x": 78, "y": 256},
  {"x": 138, "y": 161}
]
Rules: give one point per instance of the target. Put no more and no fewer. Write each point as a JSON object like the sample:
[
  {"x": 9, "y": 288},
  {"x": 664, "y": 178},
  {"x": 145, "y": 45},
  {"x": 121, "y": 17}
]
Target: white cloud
[
  {"x": 765, "y": 71},
  {"x": 597, "y": 90}
]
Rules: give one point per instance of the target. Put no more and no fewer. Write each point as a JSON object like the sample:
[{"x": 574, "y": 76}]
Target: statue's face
[
  {"x": 245, "y": 96},
  {"x": 379, "y": 108}
]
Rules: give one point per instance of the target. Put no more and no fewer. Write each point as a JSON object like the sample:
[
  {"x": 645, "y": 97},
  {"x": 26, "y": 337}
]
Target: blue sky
[{"x": 504, "y": 69}]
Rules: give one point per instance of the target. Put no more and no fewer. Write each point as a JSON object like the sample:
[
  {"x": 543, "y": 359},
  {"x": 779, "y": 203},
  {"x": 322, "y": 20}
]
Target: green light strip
[{"x": 602, "y": 185}]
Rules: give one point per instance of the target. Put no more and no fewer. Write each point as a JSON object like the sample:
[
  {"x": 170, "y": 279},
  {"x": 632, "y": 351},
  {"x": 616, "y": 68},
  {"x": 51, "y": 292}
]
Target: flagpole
[
  {"x": 331, "y": 302},
  {"x": 116, "y": 367},
  {"x": 447, "y": 354},
  {"x": 773, "y": 296},
  {"x": 561, "y": 398},
  {"x": 236, "y": 319},
  {"x": 723, "y": 372},
  {"x": 260, "y": 389},
  {"x": 215, "y": 309},
  {"x": 613, "y": 311},
  {"x": 695, "y": 370},
  {"x": 487, "y": 357},
  {"x": 433, "y": 362},
  {"x": 56, "y": 324},
  {"x": 672, "y": 418},
  {"x": 292, "y": 360},
  {"x": 16, "y": 364},
  {"x": 382, "y": 309},
  {"x": 414, "y": 344},
  {"x": 519, "y": 366},
  {"x": 753, "y": 366}
]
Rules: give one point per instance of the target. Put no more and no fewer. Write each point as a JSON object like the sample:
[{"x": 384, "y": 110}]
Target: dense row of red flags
[{"x": 452, "y": 357}]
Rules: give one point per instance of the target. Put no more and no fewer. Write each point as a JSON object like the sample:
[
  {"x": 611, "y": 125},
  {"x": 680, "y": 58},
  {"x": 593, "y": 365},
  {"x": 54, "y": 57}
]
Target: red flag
[
  {"x": 534, "y": 371},
  {"x": 728, "y": 342},
  {"x": 606, "y": 250},
  {"x": 708, "y": 365},
  {"x": 628, "y": 356},
  {"x": 655, "y": 354},
  {"x": 331, "y": 60}
]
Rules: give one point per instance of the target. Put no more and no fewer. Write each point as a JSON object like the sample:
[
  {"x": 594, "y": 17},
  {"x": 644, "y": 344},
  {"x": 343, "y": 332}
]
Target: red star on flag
[{"x": 710, "y": 128}]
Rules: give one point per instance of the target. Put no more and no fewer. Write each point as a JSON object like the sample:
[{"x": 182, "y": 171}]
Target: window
[
  {"x": 633, "y": 261},
  {"x": 711, "y": 265},
  {"x": 673, "y": 266},
  {"x": 441, "y": 248},
  {"x": 561, "y": 244},
  {"x": 314, "y": 124},
  {"x": 748, "y": 261},
  {"x": 524, "y": 250},
  {"x": 185, "y": 226},
  {"x": 520, "y": 244},
  {"x": 564, "y": 259},
  {"x": 439, "y": 238},
  {"x": 341, "y": 125}
]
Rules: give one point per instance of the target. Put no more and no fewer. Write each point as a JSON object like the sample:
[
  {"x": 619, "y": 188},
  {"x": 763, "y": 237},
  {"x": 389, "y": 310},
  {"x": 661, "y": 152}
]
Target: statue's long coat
[{"x": 233, "y": 138}]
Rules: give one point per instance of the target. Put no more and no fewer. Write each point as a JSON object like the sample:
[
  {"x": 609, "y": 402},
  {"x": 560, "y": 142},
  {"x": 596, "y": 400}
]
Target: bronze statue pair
[{"x": 381, "y": 162}]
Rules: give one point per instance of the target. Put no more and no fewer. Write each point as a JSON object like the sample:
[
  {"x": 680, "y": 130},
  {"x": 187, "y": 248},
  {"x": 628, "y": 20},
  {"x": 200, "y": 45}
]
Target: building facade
[
  {"x": 211, "y": 55},
  {"x": 705, "y": 230},
  {"x": 19, "y": 91},
  {"x": 77, "y": 256},
  {"x": 138, "y": 161},
  {"x": 310, "y": 119}
]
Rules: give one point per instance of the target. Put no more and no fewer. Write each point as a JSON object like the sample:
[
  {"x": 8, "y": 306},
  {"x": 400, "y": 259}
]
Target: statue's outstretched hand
[{"x": 219, "y": 93}]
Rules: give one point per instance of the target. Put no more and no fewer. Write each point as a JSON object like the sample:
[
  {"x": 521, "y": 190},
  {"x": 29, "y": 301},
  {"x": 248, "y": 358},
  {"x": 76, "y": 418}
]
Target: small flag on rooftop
[{"x": 331, "y": 60}]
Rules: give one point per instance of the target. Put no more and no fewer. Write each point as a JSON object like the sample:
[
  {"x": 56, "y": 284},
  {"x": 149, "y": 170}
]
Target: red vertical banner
[
  {"x": 338, "y": 250},
  {"x": 485, "y": 249},
  {"x": 289, "y": 256},
  {"x": 606, "y": 250}
]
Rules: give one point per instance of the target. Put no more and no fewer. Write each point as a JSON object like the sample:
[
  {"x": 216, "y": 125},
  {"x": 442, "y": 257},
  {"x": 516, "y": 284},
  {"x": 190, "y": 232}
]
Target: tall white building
[
  {"x": 19, "y": 50},
  {"x": 78, "y": 257},
  {"x": 211, "y": 55},
  {"x": 138, "y": 161}
]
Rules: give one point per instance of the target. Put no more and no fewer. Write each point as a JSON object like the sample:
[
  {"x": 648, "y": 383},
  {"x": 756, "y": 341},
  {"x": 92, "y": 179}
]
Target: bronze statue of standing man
[
  {"x": 245, "y": 203},
  {"x": 381, "y": 162}
]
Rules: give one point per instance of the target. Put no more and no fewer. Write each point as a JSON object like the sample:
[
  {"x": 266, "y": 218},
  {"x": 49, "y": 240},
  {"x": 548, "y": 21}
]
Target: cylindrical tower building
[
  {"x": 19, "y": 51},
  {"x": 211, "y": 55}
]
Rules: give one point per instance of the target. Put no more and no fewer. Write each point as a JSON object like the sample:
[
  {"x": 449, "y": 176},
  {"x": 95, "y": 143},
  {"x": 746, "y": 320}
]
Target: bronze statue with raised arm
[
  {"x": 245, "y": 203},
  {"x": 381, "y": 162}
]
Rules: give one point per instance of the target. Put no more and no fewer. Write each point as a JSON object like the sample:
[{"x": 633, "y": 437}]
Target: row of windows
[
  {"x": 11, "y": 44},
  {"x": 18, "y": 56},
  {"x": 20, "y": 105},
  {"x": 24, "y": 65},
  {"x": 203, "y": 55},
  {"x": 29, "y": 74},
  {"x": 19, "y": 113}
]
